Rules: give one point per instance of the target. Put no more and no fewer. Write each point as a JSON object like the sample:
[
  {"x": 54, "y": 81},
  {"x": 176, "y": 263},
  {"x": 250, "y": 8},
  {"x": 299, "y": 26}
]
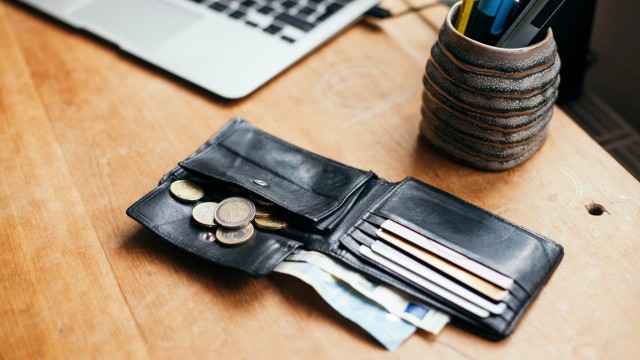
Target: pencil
[{"x": 464, "y": 15}]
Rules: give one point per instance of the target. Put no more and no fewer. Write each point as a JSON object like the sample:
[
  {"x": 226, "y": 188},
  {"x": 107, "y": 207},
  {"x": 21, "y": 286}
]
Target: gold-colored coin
[
  {"x": 186, "y": 190},
  {"x": 263, "y": 211},
  {"x": 235, "y": 236},
  {"x": 260, "y": 200},
  {"x": 271, "y": 223},
  {"x": 234, "y": 188},
  {"x": 204, "y": 214},
  {"x": 235, "y": 212}
]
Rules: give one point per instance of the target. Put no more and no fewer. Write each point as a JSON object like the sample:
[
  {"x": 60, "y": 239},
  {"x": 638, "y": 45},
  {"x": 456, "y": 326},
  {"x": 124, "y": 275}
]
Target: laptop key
[
  {"x": 218, "y": 7},
  {"x": 331, "y": 9},
  {"x": 306, "y": 11},
  {"x": 266, "y": 10},
  {"x": 237, "y": 14},
  {"x": 288, "y": 39},
  {"x": 289, "y": 4},
  {"x": 295, "y": 22},
  {"x": 260, "y": 19},
  {"x": 248, "y": 3},
  {"x": 272, "y": 29},
  {"x": 334, "y": 8}
]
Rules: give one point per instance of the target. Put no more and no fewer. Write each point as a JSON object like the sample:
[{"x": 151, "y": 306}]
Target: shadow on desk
[{"x": 234, "y": 286}]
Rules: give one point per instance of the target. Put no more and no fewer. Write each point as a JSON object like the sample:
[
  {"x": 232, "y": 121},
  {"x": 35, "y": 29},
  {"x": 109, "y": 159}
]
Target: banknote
[
  {"x": 395, "y": 301},
  {"x": 390, "y": 330}
]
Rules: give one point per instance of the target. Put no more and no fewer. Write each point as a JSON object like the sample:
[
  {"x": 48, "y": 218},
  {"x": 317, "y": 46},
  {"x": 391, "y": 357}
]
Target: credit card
[
  {"x": 448, "y": 254},
  {"x": 418, "y": 280},
  {"x": 476, "y": 283},
  {"x": 403, "y": 260}
]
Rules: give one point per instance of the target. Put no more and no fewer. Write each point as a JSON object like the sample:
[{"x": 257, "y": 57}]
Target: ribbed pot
[{"x": 485, "y": 106}]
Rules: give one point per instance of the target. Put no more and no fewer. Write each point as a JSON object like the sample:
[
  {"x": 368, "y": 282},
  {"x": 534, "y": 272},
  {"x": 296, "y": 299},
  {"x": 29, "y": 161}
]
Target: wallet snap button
[{"x": 260, "y": 182}]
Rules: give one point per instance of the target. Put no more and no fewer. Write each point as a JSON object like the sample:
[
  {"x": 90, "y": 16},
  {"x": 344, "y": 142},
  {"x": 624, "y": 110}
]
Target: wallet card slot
[
  {"x": 493, "y": 326},
  {"x": 171, "y": 220},
  {"x": 506, "y": 313},
  {"x": 486, "y": 238},
  {"x": 371, "y": 223},
  {"x": 299, "y": 181},
  {"x": 365, "y": 233}
]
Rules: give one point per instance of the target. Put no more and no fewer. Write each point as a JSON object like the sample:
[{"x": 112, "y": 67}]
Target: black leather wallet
[{"x": 334, "y": 209}]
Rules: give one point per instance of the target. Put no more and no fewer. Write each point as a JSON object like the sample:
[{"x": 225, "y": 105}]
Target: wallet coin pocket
[
  {"x": 173, "y": 220},
  {"x": 301, "y": 182}
]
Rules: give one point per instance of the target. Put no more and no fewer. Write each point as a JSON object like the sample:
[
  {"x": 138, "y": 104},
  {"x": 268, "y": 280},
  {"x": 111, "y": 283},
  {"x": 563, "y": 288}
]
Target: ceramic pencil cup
[{"x": 485, "y": 106}]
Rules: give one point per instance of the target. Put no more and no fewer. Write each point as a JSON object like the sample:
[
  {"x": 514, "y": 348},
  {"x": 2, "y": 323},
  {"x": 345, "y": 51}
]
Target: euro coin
[
  {"x": 235, "y": 212},
  {"x": 186, "y": 190},
  {"x": 235, "y": 236},
  {"x": 263, "y": 211},
  {"x": 204, "y": 214},
  {"x": 260, "y": 200},
  {"x": 271, "y": 223},
  {"x": 234, "y": 188}
]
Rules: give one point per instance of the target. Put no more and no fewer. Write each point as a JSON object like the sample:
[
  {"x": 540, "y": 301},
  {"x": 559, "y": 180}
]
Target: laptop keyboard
[{"x": 287, "y": 19}]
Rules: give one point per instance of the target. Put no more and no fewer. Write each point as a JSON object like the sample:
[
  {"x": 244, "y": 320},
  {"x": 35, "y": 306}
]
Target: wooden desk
[{"x": 85, "y": 131}]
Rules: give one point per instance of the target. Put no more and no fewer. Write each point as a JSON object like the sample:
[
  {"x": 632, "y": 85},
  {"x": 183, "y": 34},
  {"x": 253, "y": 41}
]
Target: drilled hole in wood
[{"x": 596, "y": 209}]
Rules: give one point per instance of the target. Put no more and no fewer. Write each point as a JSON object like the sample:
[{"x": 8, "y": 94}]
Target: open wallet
[{"x": 479, "y": 268}]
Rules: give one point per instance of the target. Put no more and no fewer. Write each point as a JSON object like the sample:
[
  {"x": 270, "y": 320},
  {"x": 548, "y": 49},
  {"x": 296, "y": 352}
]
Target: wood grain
[{"x": 86, "y": 130}]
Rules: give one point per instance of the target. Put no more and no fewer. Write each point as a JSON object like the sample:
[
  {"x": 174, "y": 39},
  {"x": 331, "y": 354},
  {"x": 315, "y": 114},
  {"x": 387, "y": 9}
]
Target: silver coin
[
  {"x": 235, "y": 212},
  {"x": 235, "y": 236},
  {"x": 204, "y": 214},
  {"x": 186, "y": 190}
]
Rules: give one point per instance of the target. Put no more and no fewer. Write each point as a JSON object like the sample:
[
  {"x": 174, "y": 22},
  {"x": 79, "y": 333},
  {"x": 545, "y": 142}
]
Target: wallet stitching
[
  {"x": 337, "y": 201},
  {"x": 241, "y": 122},
  {"x": 361, "y": 173},
  {"x": 277, "y": 174},
  {"x": 282, "y": 142},
  {"x": 364, "y": 175}
]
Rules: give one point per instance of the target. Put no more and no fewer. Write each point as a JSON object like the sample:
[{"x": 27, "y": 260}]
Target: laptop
[{"x": 229, "y": 47}]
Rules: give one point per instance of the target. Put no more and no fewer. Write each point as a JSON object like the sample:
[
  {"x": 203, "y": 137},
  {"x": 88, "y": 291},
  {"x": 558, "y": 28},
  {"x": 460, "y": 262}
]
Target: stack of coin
[
  {"x": 232, "y": 216},
  {"x": 485, "y": 106}
]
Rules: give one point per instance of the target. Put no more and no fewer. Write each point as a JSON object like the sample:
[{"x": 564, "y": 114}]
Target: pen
[
  {"x": 497, "y": 28},
  {"x": 533, "y": 19},
  {"x": 464, "y": 14},
  {"x": 483, "y": 19}
]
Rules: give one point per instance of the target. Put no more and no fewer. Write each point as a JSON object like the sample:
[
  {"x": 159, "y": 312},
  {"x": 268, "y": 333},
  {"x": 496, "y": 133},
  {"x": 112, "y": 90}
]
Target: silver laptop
[{"x": 229, "y": 47}]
